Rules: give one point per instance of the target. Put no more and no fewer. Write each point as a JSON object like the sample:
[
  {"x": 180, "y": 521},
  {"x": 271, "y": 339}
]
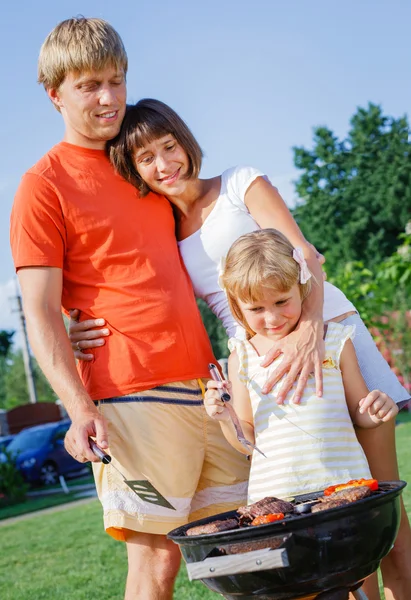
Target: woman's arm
[
  {"x": 367, "y": 409},
  {"x": 303, "y": 349},
  {"x": 240, "y": 399},
  {"x": 85, "y": 335}
]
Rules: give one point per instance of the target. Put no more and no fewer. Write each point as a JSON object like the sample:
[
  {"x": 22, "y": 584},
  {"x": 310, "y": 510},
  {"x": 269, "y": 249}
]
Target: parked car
[
  {"x": 5, "y": 441},
  {"x": 40, "y": 455}
]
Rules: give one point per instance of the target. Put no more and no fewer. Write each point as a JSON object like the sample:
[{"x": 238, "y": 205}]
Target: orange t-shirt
[{"x": 120, "y": 261}]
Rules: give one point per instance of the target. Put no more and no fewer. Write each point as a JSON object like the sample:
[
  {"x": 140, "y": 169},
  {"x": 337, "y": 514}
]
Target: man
[{"x": 82, "y": 237}]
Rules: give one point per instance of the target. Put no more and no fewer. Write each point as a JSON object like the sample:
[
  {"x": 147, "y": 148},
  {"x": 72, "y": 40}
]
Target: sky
[{"x": 250, "y": 78}]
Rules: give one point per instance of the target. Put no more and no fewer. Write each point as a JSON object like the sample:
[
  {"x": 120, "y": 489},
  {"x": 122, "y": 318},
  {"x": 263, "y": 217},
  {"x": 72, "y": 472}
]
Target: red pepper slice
[
  {"x": 371, "y": 483},
  {"x": 270, "y": 518}
]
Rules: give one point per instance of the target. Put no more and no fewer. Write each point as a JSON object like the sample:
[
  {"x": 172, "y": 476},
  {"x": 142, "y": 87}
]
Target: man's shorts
[{"x": 163, "y": 438}]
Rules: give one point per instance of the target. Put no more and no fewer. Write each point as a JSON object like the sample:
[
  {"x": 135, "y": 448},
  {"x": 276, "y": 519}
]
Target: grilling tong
[{"x": 225, "y": 397}]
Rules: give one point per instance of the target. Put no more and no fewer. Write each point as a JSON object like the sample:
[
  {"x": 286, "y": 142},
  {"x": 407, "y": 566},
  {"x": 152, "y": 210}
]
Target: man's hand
[
  {"x": 303, "y": 351},
  {"x": 86, "y": 423}
]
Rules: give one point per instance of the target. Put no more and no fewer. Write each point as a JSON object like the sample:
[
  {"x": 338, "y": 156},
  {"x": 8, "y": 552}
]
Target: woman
[{"x": 155, "y": 151}]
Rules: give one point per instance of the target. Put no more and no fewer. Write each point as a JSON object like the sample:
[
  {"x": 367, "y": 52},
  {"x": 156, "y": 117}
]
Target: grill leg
[
  {"x": 359, "y": 595},
  {"x": 340, "y": 594}
]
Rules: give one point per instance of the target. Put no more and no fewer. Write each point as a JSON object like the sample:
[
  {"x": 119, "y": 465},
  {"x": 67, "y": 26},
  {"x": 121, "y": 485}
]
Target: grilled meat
[
  {"x": 352, "y": 494},
  {"x": 264, "y": 507},
  {"x": 329, "y": 504},
  {"x": 248, "y": 546},
  {"x": 270, "y": 505},
  {"x": 214, "y": 527},
  {"x": 341, "y": 498}
]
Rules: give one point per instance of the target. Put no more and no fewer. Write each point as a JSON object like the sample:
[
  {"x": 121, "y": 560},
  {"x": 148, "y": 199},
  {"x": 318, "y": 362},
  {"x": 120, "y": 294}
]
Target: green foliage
[
  {"x": 382, "y": 297},
  {"x": 215, "y": 330},
  {"x": 396, "y": 270},
  {"x": 13, "y": 388},
  {"x": 356, "y": 192},
  {"x": 6, "y": 340},
  {"x": 12, "y": 486},
  {"x": 360, "y": 285}
]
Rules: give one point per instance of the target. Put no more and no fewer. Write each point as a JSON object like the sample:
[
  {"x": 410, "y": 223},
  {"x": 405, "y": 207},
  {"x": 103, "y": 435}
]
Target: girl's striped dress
[{"x": 310, "y": 445}]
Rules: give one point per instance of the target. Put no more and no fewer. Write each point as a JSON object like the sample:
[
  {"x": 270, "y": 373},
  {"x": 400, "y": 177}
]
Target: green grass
[
  {"x": 68, "y": 555},
  {"x": 34, "y": 504},
  {"x": 403, "y": 437}
]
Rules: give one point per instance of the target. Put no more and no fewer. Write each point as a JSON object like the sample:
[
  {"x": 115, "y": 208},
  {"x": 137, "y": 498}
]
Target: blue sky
[{"x": 250, "y": 78}]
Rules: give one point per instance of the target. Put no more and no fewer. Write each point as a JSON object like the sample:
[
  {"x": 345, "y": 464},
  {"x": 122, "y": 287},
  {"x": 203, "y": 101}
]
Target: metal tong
[{"x": 225, "y": 397}]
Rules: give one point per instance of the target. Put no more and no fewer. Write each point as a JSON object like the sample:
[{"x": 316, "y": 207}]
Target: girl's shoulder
[
  {"x": 238, "y": 346},
  {"x": 245, "y": 357},
  {"x": 335, "y": 340}
]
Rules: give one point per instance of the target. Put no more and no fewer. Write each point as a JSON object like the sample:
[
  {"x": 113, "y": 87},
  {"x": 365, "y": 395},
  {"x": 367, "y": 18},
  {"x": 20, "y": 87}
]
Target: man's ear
[{"x": 55, "y": 97}]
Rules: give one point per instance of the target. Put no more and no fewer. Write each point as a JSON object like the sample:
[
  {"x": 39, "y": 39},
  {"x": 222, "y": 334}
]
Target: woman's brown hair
[{"x": 144, "y": 122}]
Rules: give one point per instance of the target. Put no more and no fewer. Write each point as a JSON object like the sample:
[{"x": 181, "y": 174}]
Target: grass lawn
[
  {"x": 67, "y": 555},
  {"x": 32, "y": 504}
]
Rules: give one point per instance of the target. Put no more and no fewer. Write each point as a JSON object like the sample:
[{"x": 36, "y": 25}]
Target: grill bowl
[{"x": 330, "y": 549}]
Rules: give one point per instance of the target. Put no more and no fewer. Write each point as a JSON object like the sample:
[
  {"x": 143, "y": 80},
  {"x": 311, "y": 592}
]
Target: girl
[
  {"x": 156, "y": 151},
  {"x": 312, "y": 445}
]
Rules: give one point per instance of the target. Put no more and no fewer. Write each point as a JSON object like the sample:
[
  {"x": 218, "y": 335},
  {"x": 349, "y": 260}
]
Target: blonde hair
[
  {"x": 79, "y": 45},
  {"x": 256, "y": 262}
]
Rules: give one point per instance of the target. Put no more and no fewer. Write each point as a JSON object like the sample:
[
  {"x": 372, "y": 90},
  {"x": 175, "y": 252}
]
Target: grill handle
[{"x": 247, "y": 562}]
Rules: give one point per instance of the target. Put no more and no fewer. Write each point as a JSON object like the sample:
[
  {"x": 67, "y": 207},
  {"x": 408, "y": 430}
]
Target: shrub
[{"x": 12, "y": 485}]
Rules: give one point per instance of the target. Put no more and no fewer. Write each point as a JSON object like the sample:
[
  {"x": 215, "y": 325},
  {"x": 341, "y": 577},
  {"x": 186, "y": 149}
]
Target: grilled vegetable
[
  {"x": 372, "y": 484},
  {"x": 270, "y": 518}
]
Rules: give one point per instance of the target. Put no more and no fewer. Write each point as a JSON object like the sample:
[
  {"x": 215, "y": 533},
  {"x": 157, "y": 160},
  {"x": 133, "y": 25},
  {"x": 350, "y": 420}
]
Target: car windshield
[{"x": 26, "y": 440}]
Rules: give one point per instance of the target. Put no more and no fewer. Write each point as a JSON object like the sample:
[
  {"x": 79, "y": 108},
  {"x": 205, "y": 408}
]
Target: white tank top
[
  {"x": 309, "y": 446},
  {"x": 203, "y": 250}
]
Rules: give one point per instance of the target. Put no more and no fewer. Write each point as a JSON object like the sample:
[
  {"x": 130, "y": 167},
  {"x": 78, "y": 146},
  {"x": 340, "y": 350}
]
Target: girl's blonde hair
[{"x": 256, "y": 262}]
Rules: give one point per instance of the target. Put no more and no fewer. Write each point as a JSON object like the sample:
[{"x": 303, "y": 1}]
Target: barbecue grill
[{"x": 306, "y": 555}]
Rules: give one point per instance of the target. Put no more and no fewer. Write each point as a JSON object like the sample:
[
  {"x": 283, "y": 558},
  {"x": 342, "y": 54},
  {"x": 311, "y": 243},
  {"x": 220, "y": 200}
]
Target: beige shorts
[{"x": 163, "y": 436}]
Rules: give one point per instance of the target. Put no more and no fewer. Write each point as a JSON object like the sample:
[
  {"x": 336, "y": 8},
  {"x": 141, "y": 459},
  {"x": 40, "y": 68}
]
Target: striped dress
[{"x": 309, "y": 446}]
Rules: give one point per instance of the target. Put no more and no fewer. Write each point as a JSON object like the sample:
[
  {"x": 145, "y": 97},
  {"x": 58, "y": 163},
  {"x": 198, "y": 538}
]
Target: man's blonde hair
[
  {"x": 79, "y": 45},
  {"x": 256, "y": 262}
]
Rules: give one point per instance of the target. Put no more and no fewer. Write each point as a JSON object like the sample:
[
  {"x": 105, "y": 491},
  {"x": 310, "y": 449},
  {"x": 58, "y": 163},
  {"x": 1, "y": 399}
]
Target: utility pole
[{"x": 28, "y": 366}]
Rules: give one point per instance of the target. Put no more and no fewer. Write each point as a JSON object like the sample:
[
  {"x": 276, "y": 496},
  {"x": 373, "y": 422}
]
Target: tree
[
  {"x": 381, "y": 296},
  {"x": 215, "y": 330},
  {"x": 356, "y": 192},
  {"x": 6, "y": 341},
  {"x": 14, "y": 388}
]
